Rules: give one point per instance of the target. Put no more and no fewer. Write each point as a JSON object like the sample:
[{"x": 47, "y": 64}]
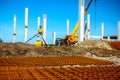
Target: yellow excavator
[{"x": 73, "y": 37}]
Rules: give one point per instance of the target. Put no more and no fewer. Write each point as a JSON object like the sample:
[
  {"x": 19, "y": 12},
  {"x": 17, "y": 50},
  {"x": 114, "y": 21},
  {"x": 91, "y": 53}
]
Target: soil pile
[
  {"x": 96, "y": 43},
  {"x": 86, "y": 48}
]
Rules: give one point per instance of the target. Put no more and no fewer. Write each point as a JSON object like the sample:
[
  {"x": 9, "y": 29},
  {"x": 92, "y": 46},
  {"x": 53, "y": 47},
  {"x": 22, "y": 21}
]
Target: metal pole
[
  {"x": 14, "y": 29},
  {"x": 26, "y": 24},
  {"x": 81, "y": 21}
]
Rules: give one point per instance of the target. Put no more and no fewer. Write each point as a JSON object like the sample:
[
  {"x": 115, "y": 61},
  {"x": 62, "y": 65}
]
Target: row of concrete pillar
[
  {"x": 87, "y": 35},
  {"x": 26, "y": 27},
  {"x": 81, "y": 28}
]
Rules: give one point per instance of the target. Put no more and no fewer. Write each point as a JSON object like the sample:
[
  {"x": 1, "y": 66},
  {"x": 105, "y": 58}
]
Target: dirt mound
[
  {"x": 86, "y": 48},
  {"x": 96, "y": 43},
  {"x": 10, "y": 49}
]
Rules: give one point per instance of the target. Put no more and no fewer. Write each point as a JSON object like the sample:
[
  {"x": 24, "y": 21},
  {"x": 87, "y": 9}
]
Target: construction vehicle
[
  {"x": 69, "y": 39},
  {"x": 38, "y": 42},
  {"x": 73, "y": 37}
]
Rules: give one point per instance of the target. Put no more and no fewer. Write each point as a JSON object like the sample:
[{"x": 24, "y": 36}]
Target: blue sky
[{"x": 57, "y": 11}]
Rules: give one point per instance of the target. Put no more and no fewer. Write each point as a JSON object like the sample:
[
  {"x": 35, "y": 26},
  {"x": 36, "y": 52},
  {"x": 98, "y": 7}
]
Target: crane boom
[
  {"x": 76, "y": 26},
  {"x": 75, "y": 29},
  {"x": 87, "y": 6},
  {"x": 72, "y": 38}
]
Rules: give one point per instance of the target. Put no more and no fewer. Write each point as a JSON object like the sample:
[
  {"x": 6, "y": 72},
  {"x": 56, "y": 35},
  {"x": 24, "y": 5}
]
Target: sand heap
[{"x": 87, "y": 48}]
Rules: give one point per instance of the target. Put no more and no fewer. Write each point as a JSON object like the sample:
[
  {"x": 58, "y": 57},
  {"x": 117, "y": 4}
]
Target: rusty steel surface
[
  {"x": 51, "y": 61},
  {"x": 57, "y": 68}
]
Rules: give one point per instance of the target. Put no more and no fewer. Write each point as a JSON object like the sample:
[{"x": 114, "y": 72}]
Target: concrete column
[
  {"x": 44, "y": 26},
  {"x": 119, "y": 31},
  {"x": 102, "y": 30},
  {"x": 14, "y": 29},
  {"x": 54, "y": 37},
  {"x": 108, "y": 38},
  {"x": 38, "y": 26},
  {"x": 81, "y": 21},
  {"x": 67, "y": 27},
  {"x": 26, "y": 25},
  {"x": 88, "y": 26}
]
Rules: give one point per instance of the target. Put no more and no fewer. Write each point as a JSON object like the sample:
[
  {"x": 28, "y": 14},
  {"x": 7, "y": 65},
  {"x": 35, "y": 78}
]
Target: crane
[{"x": 73, "y": 37}]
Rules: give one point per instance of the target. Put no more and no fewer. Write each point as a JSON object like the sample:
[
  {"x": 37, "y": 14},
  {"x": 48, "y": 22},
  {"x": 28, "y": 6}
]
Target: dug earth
[{"x": 95, "y": 49}]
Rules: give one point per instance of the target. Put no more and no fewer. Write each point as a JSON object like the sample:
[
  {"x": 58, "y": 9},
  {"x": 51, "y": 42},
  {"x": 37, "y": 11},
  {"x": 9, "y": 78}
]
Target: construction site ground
[{"x": 89, "y": 60}]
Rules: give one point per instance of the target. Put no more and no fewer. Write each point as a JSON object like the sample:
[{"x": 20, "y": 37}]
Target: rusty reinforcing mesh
[
  {"x": 34, "y": 68},
  {"x": 51, "y": 61}
]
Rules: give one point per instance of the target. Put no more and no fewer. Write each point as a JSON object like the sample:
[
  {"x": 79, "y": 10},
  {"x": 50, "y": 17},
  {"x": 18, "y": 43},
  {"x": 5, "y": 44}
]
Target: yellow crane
[{"x": 73, "y": 37}]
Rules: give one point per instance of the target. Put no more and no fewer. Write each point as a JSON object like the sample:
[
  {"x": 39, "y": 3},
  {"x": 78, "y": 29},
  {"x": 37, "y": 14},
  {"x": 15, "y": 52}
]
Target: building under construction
[{"x": 72, "y": 57}]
